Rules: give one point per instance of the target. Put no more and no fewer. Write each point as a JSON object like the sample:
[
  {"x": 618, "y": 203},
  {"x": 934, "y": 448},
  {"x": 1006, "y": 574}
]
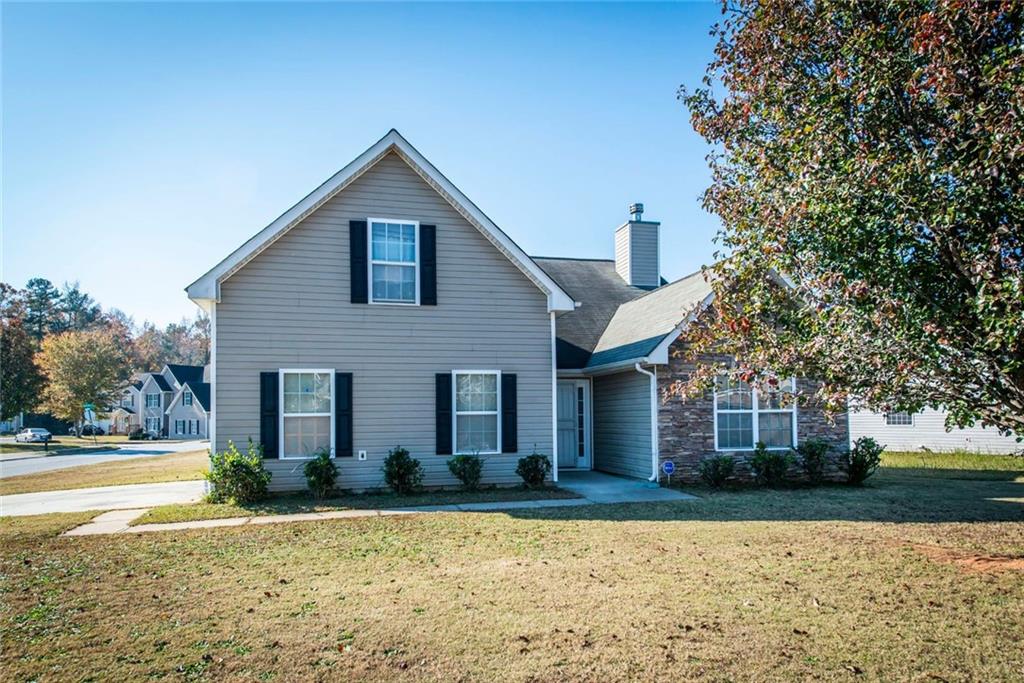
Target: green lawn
[
  {"x": 918, "y": 576},
  {"x": 953, "y": 462},
  {"x": 302, "y": 502}
]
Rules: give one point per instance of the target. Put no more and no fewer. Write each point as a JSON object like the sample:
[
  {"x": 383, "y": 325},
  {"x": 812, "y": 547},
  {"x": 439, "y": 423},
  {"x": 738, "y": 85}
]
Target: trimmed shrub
[
  {"x": 716, "y": 470},
  {"x": 237, "y": 477},
  {"x": 402, "y": 472},
  {"x": 321, "y": 473},
  {"x": 468, "y": 469},
  {"x": 813, "y": 456},
  {"x": 534, "y": 469},
  {"x": 861, "y": 461},
  {"x": 769, "y": 466}
]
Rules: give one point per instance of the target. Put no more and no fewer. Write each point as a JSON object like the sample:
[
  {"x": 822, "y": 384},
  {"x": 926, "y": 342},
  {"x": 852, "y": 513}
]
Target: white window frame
[
  {"x": 179, "y": 426},
  {"x": 159, "y": 423},
  {"x": 159, "y": 400},
  {"x": 186, "y": 398},
  {"x": 899, "y": 424},
  {"x": 281, "y": 414},
  {"x": 754, "y": 411},
  {"x": 456, "y": 412},
  {"x": 370, "y": 260}
]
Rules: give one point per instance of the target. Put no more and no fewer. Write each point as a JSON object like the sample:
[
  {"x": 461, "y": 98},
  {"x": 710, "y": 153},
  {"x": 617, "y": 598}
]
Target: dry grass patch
[
  {"x": 300, "y": 502},
  {"x": 762, "y": 585},
  {"x": 148, "y": 470}
]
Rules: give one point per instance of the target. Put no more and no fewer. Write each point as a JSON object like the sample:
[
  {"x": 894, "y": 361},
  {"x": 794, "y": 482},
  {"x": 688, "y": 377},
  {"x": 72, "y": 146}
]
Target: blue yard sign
[{"x": 668, "y": 467}]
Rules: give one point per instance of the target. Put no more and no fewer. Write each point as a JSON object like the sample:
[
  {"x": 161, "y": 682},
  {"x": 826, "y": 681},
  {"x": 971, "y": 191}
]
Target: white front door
[{"x": 573, "y": 424}]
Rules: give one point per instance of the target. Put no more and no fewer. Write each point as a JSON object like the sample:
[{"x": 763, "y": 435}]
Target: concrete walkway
[
  {"x": 595, "y": 487},
  {"x": 131, "y": 496},
  {"x": 15, "y": 464},
  {"x": 599, "y": 487}
]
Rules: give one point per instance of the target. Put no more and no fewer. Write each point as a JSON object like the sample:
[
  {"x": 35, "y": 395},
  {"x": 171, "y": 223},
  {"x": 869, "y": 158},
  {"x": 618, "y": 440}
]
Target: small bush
[
  {"x": 716, "y": 470},
  {"x": 237, "y": 477},
  {"x": 468, "y": 469},
  {"x": 136, "y": 435},
  {"x": 861, "y": 461},
  {"x": 534, "y": 469},
  {"x": 402, "y": 472},
  {"x": 813, "y": 456},
  {"x": 321, "y": 473},
  {"x": 769, "y": 466}
]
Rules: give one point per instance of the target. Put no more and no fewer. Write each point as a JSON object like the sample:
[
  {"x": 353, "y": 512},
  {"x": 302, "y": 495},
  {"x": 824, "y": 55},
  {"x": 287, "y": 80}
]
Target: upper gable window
[{"x": 394, "y": 262}]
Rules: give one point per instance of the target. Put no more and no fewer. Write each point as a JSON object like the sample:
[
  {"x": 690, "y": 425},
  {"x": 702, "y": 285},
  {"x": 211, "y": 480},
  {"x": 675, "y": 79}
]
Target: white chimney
[{"x": 637, "y": 253}]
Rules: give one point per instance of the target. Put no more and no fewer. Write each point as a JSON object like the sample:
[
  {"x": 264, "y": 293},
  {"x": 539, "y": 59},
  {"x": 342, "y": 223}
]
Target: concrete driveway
[
  {"x": 102, "y": 498},
  {"x": 14, "y": 464}
]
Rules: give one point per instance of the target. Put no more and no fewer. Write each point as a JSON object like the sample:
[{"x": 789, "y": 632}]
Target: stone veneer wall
[{"x": 686, "y": 426}]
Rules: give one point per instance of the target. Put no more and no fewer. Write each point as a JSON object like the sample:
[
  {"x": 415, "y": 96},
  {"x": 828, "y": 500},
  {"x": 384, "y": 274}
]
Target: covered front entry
[{"x": 574, "y": 449}]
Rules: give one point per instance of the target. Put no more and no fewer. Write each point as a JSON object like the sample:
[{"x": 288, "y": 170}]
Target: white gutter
[
  {"x": 554, "y": 403},
  {"x": 654, "y": 419}
]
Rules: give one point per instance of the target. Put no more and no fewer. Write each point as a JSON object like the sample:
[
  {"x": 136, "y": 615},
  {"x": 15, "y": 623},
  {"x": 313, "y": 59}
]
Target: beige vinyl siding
[
  {"x": 929, "y": 431},
  {"x": 183, "y": 412},
  {"x": 622, "y": 424},
  {"x": 289, "y": 307}
]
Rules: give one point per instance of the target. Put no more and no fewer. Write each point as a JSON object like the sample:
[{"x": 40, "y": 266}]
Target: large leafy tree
[
  {"x": 77, "y": 310},
  {"x": 20, "y": 379},
  {"x": 82, "y": 367},
  {"x": 872, "y": 153}
]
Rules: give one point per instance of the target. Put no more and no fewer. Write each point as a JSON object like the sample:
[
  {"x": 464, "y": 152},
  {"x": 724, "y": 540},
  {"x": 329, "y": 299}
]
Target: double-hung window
[
  {"x": 394, "y": 263},
  {"x": 186, "y": 398},
  {"x": 307, "y": 412},
  {"x": 477, "y": 409},
  {"x": 744, "y": 416},
  {"x": 152, "y": 400},
  {"x": 179, "y": 426}
]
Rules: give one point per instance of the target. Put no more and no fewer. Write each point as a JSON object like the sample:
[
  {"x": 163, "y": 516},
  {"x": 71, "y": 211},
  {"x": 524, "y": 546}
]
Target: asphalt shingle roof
[
  {"x": 200, "y": 392},
  {"x": 186, "y": 373},
  {"x": 615, "y": 322},
  {"x": 160, "y": 381}
]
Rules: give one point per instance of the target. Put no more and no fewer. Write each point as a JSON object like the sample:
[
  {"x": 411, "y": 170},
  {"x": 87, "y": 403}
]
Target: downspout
[
  {"x": 554, "y": 403},
  {"x": 654, "y": 420}
]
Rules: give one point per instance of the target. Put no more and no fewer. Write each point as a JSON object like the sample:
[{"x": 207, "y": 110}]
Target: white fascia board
[{"x": 206, "y": 290}]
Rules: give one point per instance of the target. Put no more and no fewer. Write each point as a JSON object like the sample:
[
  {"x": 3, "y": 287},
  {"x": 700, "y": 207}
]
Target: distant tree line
[{"x": 59, "y": 349}]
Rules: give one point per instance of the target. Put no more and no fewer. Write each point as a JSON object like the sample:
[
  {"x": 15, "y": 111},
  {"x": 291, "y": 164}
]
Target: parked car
[
  {"x": 33, "y": 435},
  {"x": 87, "y": 430}
]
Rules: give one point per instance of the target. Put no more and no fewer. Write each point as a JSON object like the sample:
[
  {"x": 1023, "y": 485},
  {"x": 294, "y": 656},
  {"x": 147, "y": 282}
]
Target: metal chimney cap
[{"x": 636, "y": 210}]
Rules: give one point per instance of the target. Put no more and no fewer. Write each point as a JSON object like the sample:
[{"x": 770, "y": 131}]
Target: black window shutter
[
  {"x": 428, "y": 265},
  {"x": 509, "y": 431},
  {"x": 343, "y": 415},
  {"x": 357, "y": 261},
  {"x": 268, "y": 413},
  {"x": 443, "y": 410}
]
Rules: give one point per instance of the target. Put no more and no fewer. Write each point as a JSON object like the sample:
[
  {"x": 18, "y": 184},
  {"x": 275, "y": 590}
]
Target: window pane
[
  {"x": 735, "y": 430},
  {"x": 394, "y": 242},
  {"x": 775, "y": 429},
  {"x": 899, "y": 419},
  {"x": 379, "y": 241},
  {"x": 476, "y": 392},
  {"x": 775, "y": 400},
  {"x": 303, "y": 436},
  {"x": 476, "y": 433},
  {"x": 732, "y": 394},
  {"x": 394, "y": 283},
  {"x": 307, "y": 392}
]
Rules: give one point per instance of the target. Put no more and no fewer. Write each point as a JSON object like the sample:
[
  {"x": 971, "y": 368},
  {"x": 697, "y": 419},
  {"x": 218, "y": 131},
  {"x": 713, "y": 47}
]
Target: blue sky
[{"x": 143, "y": 143}]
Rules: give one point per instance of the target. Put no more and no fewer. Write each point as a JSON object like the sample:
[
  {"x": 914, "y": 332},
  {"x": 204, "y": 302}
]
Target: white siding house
[{"x": 926, "y": 430}]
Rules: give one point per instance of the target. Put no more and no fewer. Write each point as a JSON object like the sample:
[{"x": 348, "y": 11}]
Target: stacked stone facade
[{"x": 686, "y": 425}]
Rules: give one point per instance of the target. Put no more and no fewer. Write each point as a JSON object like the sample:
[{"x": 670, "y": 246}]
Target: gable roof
[
  {"x": 200, "y": 394},
  {"x": 186, "y": 373},
  {"x": 639, "y": 327},
  {"x": 206, "y": 289},
  {"x": 600, "y": 291},
  {"x": 159, "y": 380}
]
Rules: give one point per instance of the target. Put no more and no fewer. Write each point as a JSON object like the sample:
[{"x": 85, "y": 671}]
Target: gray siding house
[
  {"x": 386, "y": 309},
  {"x": 172, "y": 403}
]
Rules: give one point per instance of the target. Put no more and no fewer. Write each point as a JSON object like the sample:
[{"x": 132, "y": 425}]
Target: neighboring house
[
  {"x": 163, "y": 393},
  {"x": 124, "y": 417},
  {"x": 926, "y": 430},
  {"x": 385, "y": 308}
]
